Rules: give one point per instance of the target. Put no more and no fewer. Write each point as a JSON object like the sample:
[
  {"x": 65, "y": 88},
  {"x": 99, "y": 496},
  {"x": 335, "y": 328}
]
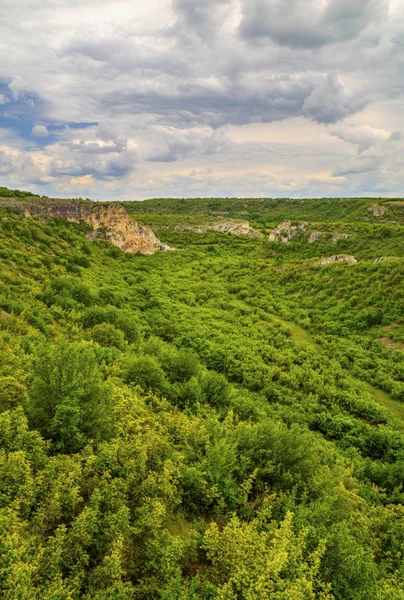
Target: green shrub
[
  {"x": 69, "y": 403},
  {"x": 146, "y": 372},
  {"x": 181, "y": 365},
  {"x": 12, "y": 393},
  {"x": 215, "y": 388},
  {"x": 107, "y": 335}
]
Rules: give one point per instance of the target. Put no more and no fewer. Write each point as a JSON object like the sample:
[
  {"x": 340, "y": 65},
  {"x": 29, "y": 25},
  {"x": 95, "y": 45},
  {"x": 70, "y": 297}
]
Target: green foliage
[
  {"x": 180, "y": 366},
  {"x": 255, "y": 563},
  {"x": 12, "y": 393},
  {"x": 215, "y": 389},
  {"x": 106, "y": 334},
  {"x": 224, "y": 421},
  {"x": 69, "y": 401},
  {"x": 146, "y": 372}
]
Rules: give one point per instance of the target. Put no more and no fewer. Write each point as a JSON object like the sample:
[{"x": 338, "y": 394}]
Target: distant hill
[
  {"x": 274, "y": 210},
  {"x": 7, "y": 193}
]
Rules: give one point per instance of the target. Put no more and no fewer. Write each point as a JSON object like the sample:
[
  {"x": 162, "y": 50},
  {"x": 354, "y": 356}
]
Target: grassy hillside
[
  {"x": 224, "y": 421},
  {"x": 273, "y": 210}
]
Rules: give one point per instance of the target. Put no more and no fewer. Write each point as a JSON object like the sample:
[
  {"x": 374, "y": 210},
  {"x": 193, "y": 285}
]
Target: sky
[{"x": 132, "y": 99}]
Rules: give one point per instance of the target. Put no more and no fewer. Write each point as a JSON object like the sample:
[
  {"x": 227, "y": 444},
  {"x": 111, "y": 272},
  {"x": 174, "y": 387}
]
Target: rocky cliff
[
  {"x": 108, "y": 221},
  {"x": 233, "y": 227},
  {"x": 288, "y": 231}
]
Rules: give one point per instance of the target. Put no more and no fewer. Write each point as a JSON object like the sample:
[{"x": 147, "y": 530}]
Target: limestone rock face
[
  {"x": 122, "y": 231},
  {"x": 378, "y": 211},
  {"x": 338, "y": 258},
  {"x": 315, "y": 236},
  {"x": 233, "y": 227},
  {"x": 109, "y": 221},
  {"x": 287, "y": 232}
]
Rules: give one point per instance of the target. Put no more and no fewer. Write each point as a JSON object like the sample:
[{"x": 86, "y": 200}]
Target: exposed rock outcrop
[
  {"x": 315, "y": 236},
  {"x": 122, "y": 231},
  {"x": 233, "y": 227},
  {"x": 340, "y": 236},
  {"x": 287, "y": 231},
  {"x": 338, "y": 258},
  {"x": 378, "y": 211},
  {"x": 108, "y": 221}
]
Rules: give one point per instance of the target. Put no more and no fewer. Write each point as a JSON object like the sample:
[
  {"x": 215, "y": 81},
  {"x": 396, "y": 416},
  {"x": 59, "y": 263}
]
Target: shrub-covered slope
[{"x": 225, "y": 421}]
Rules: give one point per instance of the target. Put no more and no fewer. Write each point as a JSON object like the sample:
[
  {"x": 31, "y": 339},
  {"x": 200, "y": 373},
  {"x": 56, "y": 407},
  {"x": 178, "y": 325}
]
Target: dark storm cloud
[
  {"x": 308, "y": 23},
  {"x": 329, "y": 103}
]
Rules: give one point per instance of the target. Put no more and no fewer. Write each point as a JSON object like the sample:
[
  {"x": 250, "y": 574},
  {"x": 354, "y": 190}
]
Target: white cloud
[
  {"x": 18, "y": 86},
  {"x": 177, "y": 88},
  {"x": 40, "y": 131},
  {"x": 364, "y": 137}
]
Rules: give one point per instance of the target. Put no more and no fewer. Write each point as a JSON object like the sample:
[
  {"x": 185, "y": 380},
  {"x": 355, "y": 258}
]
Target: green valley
[{"x": 221, "y": 421}]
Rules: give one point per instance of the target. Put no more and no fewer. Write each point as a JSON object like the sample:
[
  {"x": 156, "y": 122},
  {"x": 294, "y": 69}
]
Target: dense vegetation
[
  {"x": 7, "y": 193},
  {"x": 221, "y": 422}
]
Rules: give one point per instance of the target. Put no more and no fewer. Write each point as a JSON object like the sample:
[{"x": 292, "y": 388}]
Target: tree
[
  {"x": 107, "y": 335},
  {"x": 146, "y": 372},
  {"x": 12, "y": 393},
  {"x": 69, "y": 401},
  {"x": 252, "y": 561},
  {"x": 215, "y": 388}
]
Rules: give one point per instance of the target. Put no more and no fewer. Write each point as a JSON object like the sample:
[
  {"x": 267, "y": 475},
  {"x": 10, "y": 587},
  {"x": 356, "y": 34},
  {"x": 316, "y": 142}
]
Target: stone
[
  {"x": 233, "y": 227},
  {"x": 340, "y": 236},
  {"x": 378, "y": 211},
  {"x": 338, "y": 258},
  {"x": 315, "y": 236},
  {"x": 108, "y": 221},
  {"x": 287, "y": 232}
]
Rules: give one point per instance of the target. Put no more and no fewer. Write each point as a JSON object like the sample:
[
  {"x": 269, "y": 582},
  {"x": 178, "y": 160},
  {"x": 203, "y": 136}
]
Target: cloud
[
  {"x": 18, "y": 86},
  {"x": 364, "y": 137},
  {"x": 329, "y": 103},
  {"x": 203, "y": 18},
  {"x": 17, "y": 166},
  {"x": 365, "y": 165},
  {"x": 96, "y": 151},
  {"x": 173, "y": 145},
  {"x": 308, "y": 24},
  {"x": 155, "y": 88},
  {"x": 40, "y": 131}
]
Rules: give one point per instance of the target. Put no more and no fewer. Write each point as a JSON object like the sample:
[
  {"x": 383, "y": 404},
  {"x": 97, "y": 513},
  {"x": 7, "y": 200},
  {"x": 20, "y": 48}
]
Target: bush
[
  {"x": 94, "y": 316},
  {"x": 146, "y": 372},
  {"x": 129, "y": 328},
  {"x": 185, "y": 394},
  {"x": 66, "y": 291},
  {"x": 70, "y": 403},
  {"x": 181, "y": 366},
  {"x": 215, "y": 388},
  {"x": 12, "y": 393},
  {"x": 107, "y": 335}
]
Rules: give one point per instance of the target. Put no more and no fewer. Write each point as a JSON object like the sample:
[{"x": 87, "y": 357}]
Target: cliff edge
[{"x": 108, "y": 221}]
